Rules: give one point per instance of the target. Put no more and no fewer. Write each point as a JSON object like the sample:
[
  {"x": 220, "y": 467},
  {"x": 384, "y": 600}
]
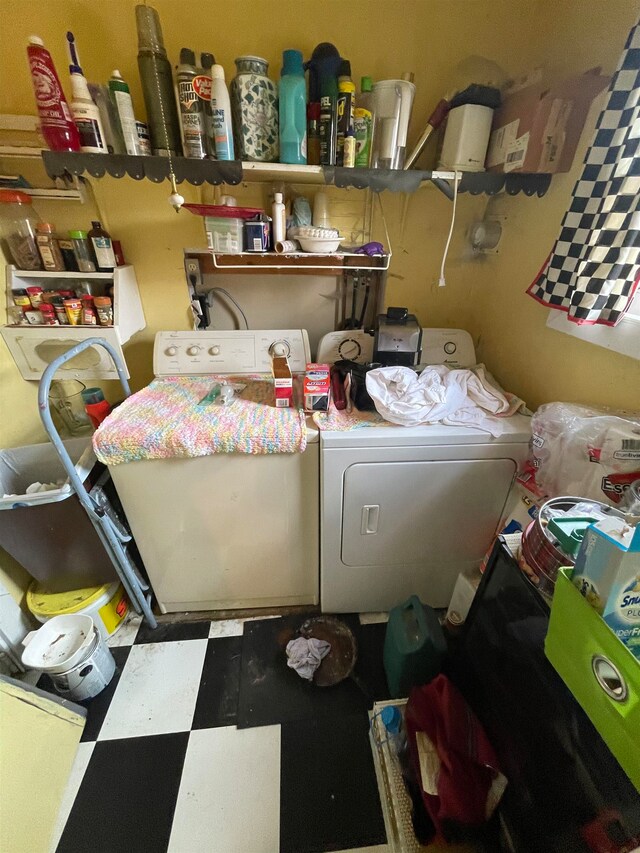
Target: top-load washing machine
[
  {"x": 224, "y": 530},
  {"x": 405, "y": 509}
]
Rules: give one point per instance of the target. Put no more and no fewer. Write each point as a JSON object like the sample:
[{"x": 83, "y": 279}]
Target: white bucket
[{"x": 72, "y": 652}]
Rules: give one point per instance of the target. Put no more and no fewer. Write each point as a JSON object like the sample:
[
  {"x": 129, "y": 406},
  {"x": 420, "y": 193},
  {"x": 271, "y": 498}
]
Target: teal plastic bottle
[{"x": 293, "y": 109}]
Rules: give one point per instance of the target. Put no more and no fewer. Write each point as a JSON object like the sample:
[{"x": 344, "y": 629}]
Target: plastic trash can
[{"x": 50, "y": 533}]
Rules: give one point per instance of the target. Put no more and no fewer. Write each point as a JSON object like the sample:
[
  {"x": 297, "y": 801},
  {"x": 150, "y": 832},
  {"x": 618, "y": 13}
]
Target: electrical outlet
[{"x": 194, "y": 275}]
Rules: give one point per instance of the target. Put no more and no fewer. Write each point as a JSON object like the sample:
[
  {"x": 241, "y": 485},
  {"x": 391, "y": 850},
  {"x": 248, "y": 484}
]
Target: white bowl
[{"x": 319, "y": 245}]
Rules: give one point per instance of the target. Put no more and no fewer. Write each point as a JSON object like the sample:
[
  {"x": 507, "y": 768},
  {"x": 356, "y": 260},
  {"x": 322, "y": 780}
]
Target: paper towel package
[{"x": 581, "y": 451}]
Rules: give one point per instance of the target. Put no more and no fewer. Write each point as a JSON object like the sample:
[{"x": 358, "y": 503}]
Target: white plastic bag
[{"x": 585, "y": 452}]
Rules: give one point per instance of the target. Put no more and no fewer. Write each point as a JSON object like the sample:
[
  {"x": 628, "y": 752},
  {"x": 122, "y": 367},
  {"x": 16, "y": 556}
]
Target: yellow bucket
[{"x": 107, "y": 604}]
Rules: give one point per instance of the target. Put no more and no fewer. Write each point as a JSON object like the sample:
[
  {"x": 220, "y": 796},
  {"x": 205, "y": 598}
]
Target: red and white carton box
[
  {"x": 283, "y": 382},
  {"x": 317, "y": 387}
]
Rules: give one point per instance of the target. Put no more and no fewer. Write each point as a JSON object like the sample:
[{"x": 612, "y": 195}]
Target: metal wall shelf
[{"x": 197, "y": 172}]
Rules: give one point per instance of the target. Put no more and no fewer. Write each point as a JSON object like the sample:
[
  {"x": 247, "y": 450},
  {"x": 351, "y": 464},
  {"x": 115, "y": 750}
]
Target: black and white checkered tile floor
[{"x": 164, "y": 764}]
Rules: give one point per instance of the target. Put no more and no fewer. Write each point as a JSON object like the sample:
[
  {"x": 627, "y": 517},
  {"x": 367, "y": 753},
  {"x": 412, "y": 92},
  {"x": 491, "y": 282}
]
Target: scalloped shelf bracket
[{"x": 233, "y": 172}]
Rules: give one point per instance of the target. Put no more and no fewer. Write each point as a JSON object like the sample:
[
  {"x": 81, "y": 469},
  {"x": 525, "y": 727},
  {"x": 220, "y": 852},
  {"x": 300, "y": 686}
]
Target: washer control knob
[
  {"x": 450, "y": 347},
  {"x": 193, "y": 350},
  {"x": 214, "y": 350},
  {"x": 171, "y": 351},
  {"x": 279, "y": 349}
]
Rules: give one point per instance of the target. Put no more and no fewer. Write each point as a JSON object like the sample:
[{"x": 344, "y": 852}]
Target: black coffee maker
[{"x": 398, "y": 338}]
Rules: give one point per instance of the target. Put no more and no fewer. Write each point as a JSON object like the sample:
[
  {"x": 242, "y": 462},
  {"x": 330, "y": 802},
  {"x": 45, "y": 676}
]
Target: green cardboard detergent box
[{"x": 607, "y": 573}]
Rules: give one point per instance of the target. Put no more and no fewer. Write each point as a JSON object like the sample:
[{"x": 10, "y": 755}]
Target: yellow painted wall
[
  {"x": 38, "y": 744},
  {"x": 538, "y": 363},
  {"x": 381, "y": 39}
]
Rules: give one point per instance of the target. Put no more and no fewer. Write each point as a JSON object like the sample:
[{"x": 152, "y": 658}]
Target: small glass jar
[
  {"x": 104, "y": 308},
  {"x": 48, "y": 314},
  {"x": 83, "y": 251},
  {"x": 18, "y": 229},
  {"x": 48, "y": 247}
]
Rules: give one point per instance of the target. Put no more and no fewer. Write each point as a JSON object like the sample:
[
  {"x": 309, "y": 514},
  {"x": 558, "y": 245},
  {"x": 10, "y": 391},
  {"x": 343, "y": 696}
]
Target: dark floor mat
[
  {"x": 334, "y": 804},
  {"x": 272, "y": 693}
]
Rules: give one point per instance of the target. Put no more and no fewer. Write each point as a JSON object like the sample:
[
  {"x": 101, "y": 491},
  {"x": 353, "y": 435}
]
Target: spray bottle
[
  {"x": 345, "y": 137},
  {"x": 363, "y": 123},
  {"x": 192, "y": 117},
  {"x": 221, "y": 109},
  {"x": 202, "y": 85},
  {"x": 121, "y": 97},
  {"x": 323, "y": 88},
  {"x": 85, "y": 113},
  {"x": 56, "y": 121}
]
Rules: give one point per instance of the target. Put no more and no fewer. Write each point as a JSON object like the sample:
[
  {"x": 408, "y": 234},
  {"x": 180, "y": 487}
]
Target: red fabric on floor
[{"x": 468, "y": 762}]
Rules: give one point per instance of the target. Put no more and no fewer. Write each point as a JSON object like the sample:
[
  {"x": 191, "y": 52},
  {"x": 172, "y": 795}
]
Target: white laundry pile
[
  {"x": 305, "y": 655},
  {"x": 440, "y": 395}
]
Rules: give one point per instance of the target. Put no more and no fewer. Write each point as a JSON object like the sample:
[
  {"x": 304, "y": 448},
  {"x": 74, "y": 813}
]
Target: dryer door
[{"x": 438, "y": 513}]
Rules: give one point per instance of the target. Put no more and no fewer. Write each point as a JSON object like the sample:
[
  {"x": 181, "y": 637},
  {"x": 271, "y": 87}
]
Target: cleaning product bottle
[
  {"x": 95, "y": 405},
  {"x": 192, "y": 118},
  {"x": 221, "y": 113},
  {"x": 157, "y": 84},
  {"x": 85, "y": 113},
  {"x": 293, "y": 109},
  {"x": 102, "y": 247},
  {"x": 279, "y": 226},
  {"x": 121, "y": 97},
  {"x": 313, "y": 134},
  {"x": 363, "y": 123},
  {"x": 202, "y": 85},
  {"x": 323, "y": 88},
  {"x": 346, "y": 107},
  {"x": 56, "y": 121}
]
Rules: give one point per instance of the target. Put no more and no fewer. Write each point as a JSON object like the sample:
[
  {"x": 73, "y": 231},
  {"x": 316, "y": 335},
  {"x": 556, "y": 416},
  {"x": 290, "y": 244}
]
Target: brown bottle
[{"x": 102, "y": 247}]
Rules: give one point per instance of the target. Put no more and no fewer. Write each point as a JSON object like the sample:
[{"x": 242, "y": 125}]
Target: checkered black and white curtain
[{"x": 594, "y": 268}]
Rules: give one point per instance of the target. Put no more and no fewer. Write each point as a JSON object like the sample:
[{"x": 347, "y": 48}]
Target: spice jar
[
  {"x": 61, "y": 313},
  {"x": 68, "y": 254},
  {"x": 83, "y": 252},
  {"x": 18, "y": 229},
  {"x": 48, "y": 314},
  {"x": 104, "y": 308},
  {"x": 36, "y": 295},
  {"x": 88, "y": 311},
  {"x": 48, "y": 247},
  {"x": 73, "y": 308},
  {"x": 21, "y": 299}
]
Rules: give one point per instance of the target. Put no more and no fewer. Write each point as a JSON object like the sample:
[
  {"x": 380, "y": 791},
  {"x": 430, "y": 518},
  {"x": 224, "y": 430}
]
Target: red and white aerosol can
[{"x": 56, "y": 121}]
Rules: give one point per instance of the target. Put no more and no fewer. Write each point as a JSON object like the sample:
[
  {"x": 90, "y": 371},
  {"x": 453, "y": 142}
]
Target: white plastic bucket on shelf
[{"x": 72, "y": 652}]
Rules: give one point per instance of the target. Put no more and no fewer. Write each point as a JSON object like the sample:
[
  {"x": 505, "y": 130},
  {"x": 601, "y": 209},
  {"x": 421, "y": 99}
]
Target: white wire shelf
[{"x": 304, "y": 261}]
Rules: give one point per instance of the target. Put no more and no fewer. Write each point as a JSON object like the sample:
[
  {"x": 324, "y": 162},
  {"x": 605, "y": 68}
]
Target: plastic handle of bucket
[
  {"x": 411, "y": 611},
  {"x": 26, "y": 640}
]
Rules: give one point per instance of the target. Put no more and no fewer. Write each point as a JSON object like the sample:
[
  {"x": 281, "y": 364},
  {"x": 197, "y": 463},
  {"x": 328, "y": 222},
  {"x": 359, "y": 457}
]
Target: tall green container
[
  {"x": 414, "y": 646},
  {"x": 599, "y": 670}
]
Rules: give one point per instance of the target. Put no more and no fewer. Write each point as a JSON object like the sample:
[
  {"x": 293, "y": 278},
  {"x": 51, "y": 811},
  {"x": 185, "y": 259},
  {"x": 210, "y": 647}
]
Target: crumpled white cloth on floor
[
  {"x": 305, "y": 655},
  {"x": 439, "y": 394}
]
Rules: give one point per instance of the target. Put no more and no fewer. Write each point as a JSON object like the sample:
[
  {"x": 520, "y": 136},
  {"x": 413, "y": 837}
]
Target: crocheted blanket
[{"x": 166, "y": 420}]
